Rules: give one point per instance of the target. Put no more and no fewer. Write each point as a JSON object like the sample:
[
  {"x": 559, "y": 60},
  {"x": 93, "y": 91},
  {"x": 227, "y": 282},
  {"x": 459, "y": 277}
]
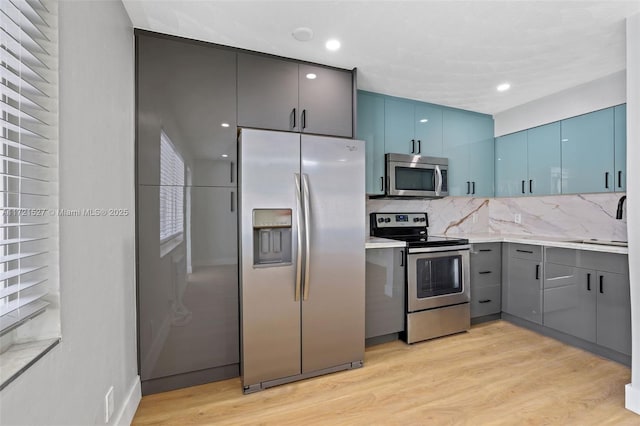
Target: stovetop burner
[{"x": 409, "y": 227}]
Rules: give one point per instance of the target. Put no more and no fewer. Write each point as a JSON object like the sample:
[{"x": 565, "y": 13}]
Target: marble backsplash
[{"x": 566, "y": 216}]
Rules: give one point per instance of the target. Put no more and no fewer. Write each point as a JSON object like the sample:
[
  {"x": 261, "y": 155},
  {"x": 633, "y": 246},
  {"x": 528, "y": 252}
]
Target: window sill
[
  {"x": 170, "y": 245},
  {"x": 18, "y": 358}
]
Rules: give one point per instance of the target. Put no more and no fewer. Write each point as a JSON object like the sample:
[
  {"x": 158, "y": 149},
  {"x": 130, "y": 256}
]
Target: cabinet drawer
[
  {"x": 610, "y": 262},
  {"x": 485, "y": 301},
  {"x": 484, "y": 277},
  {"x": 526, "y": 251}
]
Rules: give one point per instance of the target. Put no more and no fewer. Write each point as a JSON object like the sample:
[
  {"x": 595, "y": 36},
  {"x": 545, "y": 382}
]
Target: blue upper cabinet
[
  {"x": 543, "y": 160},
  {"x": 620, "y": 147},
  {"x": 371, "y": 130},
  {"x": 468, "y": 143},
  {"x": 399, "y": 134},
  {"x": 511, "y": 164},
  {"x": 427, "y": 122},
  {"x": 587, "y": 153}
]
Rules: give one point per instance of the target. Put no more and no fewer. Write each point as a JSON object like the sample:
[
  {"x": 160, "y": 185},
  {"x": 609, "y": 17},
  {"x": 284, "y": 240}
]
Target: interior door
[
  {"x": 270, "y": 311},
  {"x": 333, "y": 312}
]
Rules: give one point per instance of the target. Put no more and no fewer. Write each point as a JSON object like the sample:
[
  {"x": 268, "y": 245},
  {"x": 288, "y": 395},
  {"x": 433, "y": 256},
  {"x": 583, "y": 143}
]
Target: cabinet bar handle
[
  {"x": 468, "y": 187},
  {"x": 401, "y": 257},
  {"x": 588, "y": 282},
  {"x": 304, "y": 118},
  {"x": 484, "y": 301},
  {"x": 413, "y": 146},
  {"x": 524, "y": 251},
  {"x": 486, "y": 250},
  {"x": 231, "y": 172},
  {"x": 473, "y": 187},
  {"x": 381, "y": 183},
  {"x": 293, "y": 112},
  {"x": 484, "y": 272},
  {"x": 231, "y": 202},
  {"x": 419, "y": 147},
  {"x": 530, "y": 186},
  {"x": 606, "y": 180},
  {"x": 537, "y": 272},
  {"x": 601, "y": 280},
  {"x": 619, "y": 178},
  {"x": 523, "y": 187}
]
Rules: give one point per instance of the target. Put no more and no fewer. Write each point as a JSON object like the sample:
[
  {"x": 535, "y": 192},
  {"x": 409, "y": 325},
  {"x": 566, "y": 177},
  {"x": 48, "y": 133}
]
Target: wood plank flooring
[{"x": 497, "y": 373}]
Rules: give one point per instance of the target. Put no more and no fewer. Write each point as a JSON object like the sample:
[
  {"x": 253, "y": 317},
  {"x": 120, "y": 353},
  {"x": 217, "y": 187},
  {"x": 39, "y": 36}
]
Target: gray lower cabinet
[
  {"x": 522, "y": 286},
  {"x": 592, "y": 304},
  {"x": 279, "y": 94},
  {"x": 486, "y": 278},
  {"x": 385, "y": 291}
]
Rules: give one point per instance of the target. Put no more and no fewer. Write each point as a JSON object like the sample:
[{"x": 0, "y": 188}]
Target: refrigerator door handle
[
  {"x": 296, "y": 177},
  {"x": 307, "y": 227}
]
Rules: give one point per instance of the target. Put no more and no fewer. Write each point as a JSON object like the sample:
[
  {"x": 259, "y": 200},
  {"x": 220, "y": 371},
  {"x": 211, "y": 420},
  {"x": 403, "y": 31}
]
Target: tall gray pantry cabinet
[{"x": 188, "y": 319}]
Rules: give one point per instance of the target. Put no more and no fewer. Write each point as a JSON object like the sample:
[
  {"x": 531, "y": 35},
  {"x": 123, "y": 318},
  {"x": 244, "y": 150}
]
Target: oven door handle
[
  {"x": 438, "y": 180},
  {"x": 415, "y": 250}
]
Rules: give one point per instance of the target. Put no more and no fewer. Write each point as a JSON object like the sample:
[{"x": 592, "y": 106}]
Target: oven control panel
[{"x": 399, "y": 220}]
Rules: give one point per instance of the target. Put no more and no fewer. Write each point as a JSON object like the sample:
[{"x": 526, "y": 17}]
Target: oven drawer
[
  {"x": 485, "y": 300},
  {"x": 438, "y": 322}
]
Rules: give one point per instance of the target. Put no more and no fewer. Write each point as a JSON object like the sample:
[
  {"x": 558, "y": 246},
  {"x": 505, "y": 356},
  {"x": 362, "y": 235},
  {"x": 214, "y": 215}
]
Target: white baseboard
[
  {"x": 130, "y": 404},
  {"x": 632, "y": 398}
]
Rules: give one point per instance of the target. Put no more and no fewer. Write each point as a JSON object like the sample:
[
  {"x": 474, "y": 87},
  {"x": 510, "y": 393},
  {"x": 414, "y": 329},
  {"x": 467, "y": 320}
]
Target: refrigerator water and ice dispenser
[{"x": 271, "y": 237}]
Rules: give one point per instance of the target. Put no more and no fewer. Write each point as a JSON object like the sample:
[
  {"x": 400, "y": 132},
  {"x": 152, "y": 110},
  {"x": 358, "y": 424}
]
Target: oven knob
[
  {"x": 415, "y": 219},
  {"x": 422, "y": 219},
  {"x": 380, "y": 220},
  {"x": 387, "y": 220}
]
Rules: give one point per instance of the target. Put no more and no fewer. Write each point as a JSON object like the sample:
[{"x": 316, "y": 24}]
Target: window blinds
[
  {"x": 171, "y": 190},
  {"x": 28, "y": 160}
]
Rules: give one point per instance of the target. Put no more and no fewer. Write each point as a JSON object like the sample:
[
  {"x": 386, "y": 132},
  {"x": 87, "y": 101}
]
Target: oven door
[
  {"x": 416, "y": 179},
  {"x": 437, "y": 277}
]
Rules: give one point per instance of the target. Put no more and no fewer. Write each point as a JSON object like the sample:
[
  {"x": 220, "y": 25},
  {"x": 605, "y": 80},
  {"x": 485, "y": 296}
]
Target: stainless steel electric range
[{"x": 437, "y": 276}]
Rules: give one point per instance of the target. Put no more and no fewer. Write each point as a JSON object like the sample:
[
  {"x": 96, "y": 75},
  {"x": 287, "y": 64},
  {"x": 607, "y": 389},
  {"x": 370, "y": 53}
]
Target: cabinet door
[
  {"x": 570, "y": 300},
  {"x": 371, "y": 130},
  {"x": 267, "y": 93},
  {"x": 523, "y": 292},
  {"x": 326, "y": 101},
  {"x": 399, "y": 134},
  {"x": 543, "y": 157},
  {"x": 428, "y": 129},
  {"x": 620, "y": 147},
  {"x": 614, "y": 312},
  {"x": 384, "y": 308},
  {"x": 481, "y": 168},
  {"x": 587, "y": 153},
  {"x": 511, "y": 164}
]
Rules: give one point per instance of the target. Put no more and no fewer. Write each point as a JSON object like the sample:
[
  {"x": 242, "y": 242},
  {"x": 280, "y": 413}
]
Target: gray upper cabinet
[
  {"x": 283, "y": 95},
  {"x": 267, "y": 93}
]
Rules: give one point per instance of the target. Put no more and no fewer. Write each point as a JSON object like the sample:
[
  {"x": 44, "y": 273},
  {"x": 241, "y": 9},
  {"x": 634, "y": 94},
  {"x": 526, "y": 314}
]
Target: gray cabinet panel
[
  {"x": 485, "y": 300},
  {"x": 187, "y": 91},
  {"x": 485, "y": 265},
  {"x": 610, "y": 262},
  {"x": 614, "y": 312},
  {"x": 570, "y": 300},
  {"x": 385, "y": 292},
  {"x": 267, "y": 93},
  {"x": 524, "y": 293},
  {"x": 326, "y": 101},
  {"x": 525, "y": 251}
]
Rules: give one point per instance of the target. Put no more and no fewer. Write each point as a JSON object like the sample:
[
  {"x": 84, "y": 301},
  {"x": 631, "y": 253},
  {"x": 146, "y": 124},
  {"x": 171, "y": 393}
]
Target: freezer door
[
  {"x": 270, "y": 314},
  {"x": 334, "y": 290}
]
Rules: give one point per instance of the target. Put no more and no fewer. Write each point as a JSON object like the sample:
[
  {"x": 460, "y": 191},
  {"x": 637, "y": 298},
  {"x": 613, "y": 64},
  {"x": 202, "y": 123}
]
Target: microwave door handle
[{"x": 439, "y": 180}]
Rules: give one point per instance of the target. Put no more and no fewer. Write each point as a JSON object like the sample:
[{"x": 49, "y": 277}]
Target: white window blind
[
  {"x": 28, "y": 172},
  {"x": 171, "y": 190}
]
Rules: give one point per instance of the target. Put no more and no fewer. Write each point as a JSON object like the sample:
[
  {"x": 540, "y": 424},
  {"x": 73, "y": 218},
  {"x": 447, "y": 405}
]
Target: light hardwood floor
[{"x": 497, "y": 373}]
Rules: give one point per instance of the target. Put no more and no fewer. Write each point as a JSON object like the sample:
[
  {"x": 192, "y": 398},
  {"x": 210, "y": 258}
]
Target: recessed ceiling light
[
  {"x": 503, "y": 87},
  {"x": 311, "y": 76},
  {"x": 224, "y": 156},
  {"x": 332, "y": 44},
  {"x": 424, "y": 120},
  {"x": 225, "y": 124},
  {"x": 302, "y": 34}
]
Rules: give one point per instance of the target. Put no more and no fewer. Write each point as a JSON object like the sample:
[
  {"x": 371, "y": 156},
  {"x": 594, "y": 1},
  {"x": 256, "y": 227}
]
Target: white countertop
[{"x": 375, "y": 242}]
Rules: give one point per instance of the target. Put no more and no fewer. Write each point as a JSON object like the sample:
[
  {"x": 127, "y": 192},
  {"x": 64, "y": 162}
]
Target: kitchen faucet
[{"x": 620, "y": 204}]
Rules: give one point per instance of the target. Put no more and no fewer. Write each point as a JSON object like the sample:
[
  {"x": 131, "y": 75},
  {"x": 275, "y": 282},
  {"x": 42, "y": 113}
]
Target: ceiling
[{"x": 451, "y": 53}]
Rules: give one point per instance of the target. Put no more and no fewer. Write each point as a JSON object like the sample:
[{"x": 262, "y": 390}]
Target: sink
[{"x": 602, "y": 242}]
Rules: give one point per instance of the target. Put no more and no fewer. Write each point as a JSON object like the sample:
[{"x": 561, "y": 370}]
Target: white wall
[
  {"x": 97, "y": 257},
  {"x": 601, "y": 93},
  {"x": 633, "y": 203}
]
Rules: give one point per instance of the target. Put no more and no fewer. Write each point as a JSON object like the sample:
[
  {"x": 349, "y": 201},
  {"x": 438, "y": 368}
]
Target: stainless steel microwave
[{"x": 416, "y": 176}]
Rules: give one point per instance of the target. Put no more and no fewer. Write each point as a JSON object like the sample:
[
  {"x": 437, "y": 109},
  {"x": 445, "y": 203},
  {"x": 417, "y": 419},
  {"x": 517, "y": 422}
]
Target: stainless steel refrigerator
[{"x": 302, "y": 234}]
